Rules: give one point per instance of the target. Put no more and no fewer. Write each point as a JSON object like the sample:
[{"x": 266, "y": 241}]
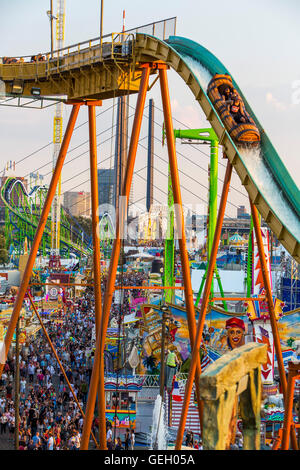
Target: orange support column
[
  {"x": 188, "y": 291},
  {"x": 288, "y": 425},
  {"x": 95, "y": 215},
  {"x": 204, "y": 304},
  {"x": 39, "y": 232},
  {"x": 98, "y": 367},
  {"x": 96, "y": 235},
  {"x": 269, "y": 297}
]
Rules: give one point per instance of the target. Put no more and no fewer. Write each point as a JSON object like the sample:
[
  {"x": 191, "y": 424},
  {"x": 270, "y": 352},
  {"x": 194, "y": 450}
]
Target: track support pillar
[
  {"x": 204, "y": 305},
  {"x": 98, "y": 367},
  {"x": 38, "y": 235}
]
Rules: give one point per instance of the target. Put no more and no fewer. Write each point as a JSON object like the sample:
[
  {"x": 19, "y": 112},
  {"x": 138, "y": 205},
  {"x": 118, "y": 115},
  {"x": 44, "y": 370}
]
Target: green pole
[
  {"x": 249, "y": 261},
  {"x": 213, "y": 192},
  {"x": 206, "y": 135},
  {"x": 201, "y": 287},
  {"x": 212, "y": 219},
  {"x": 169, "y": 245},
  {"x": 7, "y": 231}
]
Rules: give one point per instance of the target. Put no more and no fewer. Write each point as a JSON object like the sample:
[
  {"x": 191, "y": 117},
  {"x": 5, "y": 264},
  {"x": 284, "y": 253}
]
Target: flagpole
[{"x": 101, "y": 27}]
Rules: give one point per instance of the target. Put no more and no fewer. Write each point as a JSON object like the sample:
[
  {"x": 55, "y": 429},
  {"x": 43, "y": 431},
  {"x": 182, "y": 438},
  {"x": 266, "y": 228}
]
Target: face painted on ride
[
  {"x": 235, "y": 332},
  {"x": 236, "y": 337}
]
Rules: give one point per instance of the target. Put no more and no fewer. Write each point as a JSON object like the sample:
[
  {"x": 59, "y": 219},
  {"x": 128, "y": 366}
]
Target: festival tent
[{"x": 236, "y": 238}]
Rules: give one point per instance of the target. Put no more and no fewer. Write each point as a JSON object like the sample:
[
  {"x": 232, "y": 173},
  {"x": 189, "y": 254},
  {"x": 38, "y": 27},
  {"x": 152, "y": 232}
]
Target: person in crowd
[
  {"x": 118, "y": 445},
  {"x": 188, "y": 437},
  {"x": 127, "y": 439},
  {"x": 132, "y": 439}
]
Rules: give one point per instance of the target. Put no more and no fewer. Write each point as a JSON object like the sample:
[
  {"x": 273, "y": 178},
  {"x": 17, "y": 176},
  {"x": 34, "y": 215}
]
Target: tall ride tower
[
  {"x": 149, "y": 195},
  {"x": 57, "y": 135},
  {"x": 121, "y": 147}
]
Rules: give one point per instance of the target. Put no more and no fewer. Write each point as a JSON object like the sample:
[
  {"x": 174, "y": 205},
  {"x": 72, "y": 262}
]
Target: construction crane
[{"x": 57, "y": 135}]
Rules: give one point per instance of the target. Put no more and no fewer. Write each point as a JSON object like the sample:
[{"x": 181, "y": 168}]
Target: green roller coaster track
[{"x": 22, "y": 214}]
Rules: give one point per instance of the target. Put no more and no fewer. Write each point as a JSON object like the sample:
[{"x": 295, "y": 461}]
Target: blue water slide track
[{"x": 262, "y": 172}]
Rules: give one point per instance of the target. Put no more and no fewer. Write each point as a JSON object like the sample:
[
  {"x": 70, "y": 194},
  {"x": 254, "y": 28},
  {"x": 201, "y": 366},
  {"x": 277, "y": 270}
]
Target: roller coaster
[
  {"x": 122, "y": 64},
  {"x": 87, "y": 71},
  {"x": 22, "y": 213}
]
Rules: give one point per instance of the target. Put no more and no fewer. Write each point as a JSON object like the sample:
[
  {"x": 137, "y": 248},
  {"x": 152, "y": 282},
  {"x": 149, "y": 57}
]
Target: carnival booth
[{"x": 121, "y": 400}]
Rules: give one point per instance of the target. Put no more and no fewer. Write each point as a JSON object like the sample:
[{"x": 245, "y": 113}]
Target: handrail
[
  {"x": 57, "y": 53},
  {"x": 150, "y": 380}
]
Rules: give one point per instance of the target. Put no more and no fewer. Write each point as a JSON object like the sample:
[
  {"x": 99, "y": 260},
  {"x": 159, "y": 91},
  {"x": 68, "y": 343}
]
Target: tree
[
  {"x": 84, "y": 222},
  {"x": 150, "y": 364},
  {"x": 3, "y": 250},
  {"x": 290, "y": 342}
]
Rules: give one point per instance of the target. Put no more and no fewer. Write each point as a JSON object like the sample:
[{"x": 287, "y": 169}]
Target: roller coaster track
[
  {"x": 23, "y": 211},
  {"x": 280, "y": 202},
  {"x": 86, "y": 72}
]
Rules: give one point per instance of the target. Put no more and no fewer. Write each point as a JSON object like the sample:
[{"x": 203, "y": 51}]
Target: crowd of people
[
  {"x": 15, "y": 60},
  {"x": 49, "y": 416},
  {"x": 191, "y": 442}
]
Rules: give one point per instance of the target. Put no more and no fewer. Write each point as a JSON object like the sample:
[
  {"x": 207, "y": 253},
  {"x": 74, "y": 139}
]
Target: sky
[{"x": 257, "y": 41}]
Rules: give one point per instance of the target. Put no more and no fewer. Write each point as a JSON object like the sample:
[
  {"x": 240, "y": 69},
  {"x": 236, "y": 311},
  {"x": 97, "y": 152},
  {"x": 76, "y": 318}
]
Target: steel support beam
[
  {"x": 39, "y": 233},
  {"x": 189, "y": 300},
  {"x": 96, "y": 240},
  {"x": 98, "y": 367},
  {"x": 268, "y": 289},
  {"x": 204, "y": 305}
]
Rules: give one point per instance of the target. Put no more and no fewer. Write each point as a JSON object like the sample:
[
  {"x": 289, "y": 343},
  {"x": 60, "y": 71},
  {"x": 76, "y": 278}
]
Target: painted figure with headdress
[{"x": 235, "y": 332}]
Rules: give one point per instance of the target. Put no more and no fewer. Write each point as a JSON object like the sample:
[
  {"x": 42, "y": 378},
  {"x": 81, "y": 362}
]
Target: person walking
[
  {"x": 3, "y": 423},
  {"x": 50, "y": 442},
  {"x": 171, "y": 367},
  {"x": 127, "y": 439},
  {"x": 119, "y": 444},
  {"x": 132, "y": 439}
]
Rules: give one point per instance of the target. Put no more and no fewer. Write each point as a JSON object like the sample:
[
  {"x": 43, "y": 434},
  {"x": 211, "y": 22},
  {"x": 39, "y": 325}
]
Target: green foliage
[
  {"x": 151, "y": 366},
  {"x": 185, "y": 367},
  {"x": 84, "y": 222},
  {"x": 290, "y": 342},
  {"x": 3, "y": 250}
]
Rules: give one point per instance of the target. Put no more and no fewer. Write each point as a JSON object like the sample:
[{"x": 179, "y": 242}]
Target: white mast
[{"x": 57, "y": 134}]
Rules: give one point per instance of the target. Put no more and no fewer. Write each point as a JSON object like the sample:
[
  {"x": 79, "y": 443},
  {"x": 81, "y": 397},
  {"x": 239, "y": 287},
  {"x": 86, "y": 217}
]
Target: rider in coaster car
[
  {"x": 226, "y": 94},
  {"x": 236, "y": 109}
]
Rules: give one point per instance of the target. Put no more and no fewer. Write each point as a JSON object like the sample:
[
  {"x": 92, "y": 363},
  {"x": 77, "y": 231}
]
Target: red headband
[{"x": 235, "y": 322}]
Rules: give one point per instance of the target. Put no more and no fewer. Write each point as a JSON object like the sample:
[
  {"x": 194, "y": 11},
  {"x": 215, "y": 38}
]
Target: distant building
[
  {"x": 106, "y": 186},
  {"x": 153, "y": 225},
  {"x": 241, "y": 213},
  {"x": 78, "y": 203}
]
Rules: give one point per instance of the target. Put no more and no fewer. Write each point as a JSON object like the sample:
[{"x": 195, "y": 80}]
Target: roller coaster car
[{"x": 241, "y": 132}]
